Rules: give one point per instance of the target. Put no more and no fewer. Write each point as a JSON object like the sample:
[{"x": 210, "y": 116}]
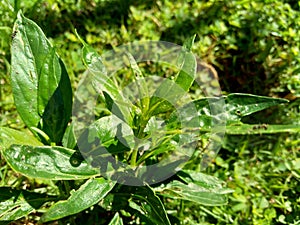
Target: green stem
[
  {"x": 181, "y": 209},
  {"x": 140, "y": 131},
  {"x": 67, "y": 187},
  {"x": 134, "y": 157}
]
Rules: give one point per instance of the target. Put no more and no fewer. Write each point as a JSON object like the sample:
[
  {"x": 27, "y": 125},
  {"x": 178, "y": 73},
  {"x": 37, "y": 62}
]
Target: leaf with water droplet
[{"x": 40, "y": 83}]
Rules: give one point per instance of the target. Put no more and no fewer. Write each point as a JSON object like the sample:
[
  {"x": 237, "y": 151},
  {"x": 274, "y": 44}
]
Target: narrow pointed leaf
[
  {"x": 261, "y": 129},
  {"x": 116, "y": 220},
  {"x": 176, "y": 89},
  {"x": 236, "y": 107},
  {"x": 188, "y": 65},
  {"x": 93, "y": 62},
  {"x": 99, "y": 79},
  {"x": 239, "y": 105},
  {"x": 140, "y": 83},
  {"x": 204, "y": 181},
  {"x": 89, "y": 194}
]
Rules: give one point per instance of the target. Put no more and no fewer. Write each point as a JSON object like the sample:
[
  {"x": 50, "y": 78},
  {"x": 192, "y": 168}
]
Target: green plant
[{"x": 43, "y": 97}]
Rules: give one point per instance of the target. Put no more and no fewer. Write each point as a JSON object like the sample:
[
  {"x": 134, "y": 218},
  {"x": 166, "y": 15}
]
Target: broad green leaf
[
  {"x": 89, "y": 194},
  {"x": 46, "y": 163},
  {"x": 116, "y": 220},
  {"x": 148, "y": 204},
  {"x": 197, "y": 187},
  {"x": 54, "y": 97},
  {"x": 15, "y": 204},
  {"x": 10, "y": 136},
  {"x": 40, "y": 83}
]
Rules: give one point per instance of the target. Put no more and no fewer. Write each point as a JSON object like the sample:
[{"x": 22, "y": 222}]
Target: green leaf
[
  {"x": 46, "y": 163},
  {"x": 99, "y": 78},
  {"x": 191, "y": 192},
  {"x": 198, "y": 187},
  {"x": 187, "y": 64},
  {"x": 261, "y": 129},
  {"x": 116, "y": 220},
  {"x": 15, "y": 204},
  {"x": 40, "y": 83},
  {"x": 140, "y": 83},
  {"x": 69, "y": 139},
  {"x": 166, "y": 96},
  {"x": 169, "y": 91},
  {"x": 205, "y": 181},
  {"x": 54, "y": 97},
  {"x": 239, "y": 105},
  {"x": 196, "y": 114},
  {"x": 103, "y": 138},
  {"x": 212, "y": 116},
  {"x": 93, "y": 62},
  {"x": 10, "y": 136},
  {"x": 104, "y": 133},
  {"x": 89, "y": 194},
  {"x": 148, "y": 204}
]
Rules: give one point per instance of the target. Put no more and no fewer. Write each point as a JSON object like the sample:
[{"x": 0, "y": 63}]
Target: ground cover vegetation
[{"x": 254, "y": 47}]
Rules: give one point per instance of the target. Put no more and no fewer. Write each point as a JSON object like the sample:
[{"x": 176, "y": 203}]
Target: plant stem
[
  {"x": 180, "y": 212},
  {"x": 140, "y": 132},
  {"x": 134, "y": 157}
]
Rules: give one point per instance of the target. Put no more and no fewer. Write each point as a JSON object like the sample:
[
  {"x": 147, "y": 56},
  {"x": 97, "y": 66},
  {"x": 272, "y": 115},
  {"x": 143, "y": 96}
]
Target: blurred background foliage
[{"x": 254, "y": 46}]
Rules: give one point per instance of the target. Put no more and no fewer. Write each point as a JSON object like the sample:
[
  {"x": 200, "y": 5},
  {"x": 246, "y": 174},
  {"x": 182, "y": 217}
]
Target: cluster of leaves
[
  {"x": 43, "y": 97},
  {"x": 220, "y": 42}
]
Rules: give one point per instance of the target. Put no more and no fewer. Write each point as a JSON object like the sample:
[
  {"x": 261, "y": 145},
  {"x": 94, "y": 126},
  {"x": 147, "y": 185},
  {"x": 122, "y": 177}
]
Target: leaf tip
[{"x": 188, "y": 44}]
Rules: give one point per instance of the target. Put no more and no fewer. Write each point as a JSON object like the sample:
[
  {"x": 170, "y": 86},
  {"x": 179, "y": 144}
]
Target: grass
[{"x": 264, "y": 170}]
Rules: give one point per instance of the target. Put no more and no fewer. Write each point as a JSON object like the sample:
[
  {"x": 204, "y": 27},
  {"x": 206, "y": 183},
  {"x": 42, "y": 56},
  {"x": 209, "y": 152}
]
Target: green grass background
[{"x": 254, "y": 46}]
